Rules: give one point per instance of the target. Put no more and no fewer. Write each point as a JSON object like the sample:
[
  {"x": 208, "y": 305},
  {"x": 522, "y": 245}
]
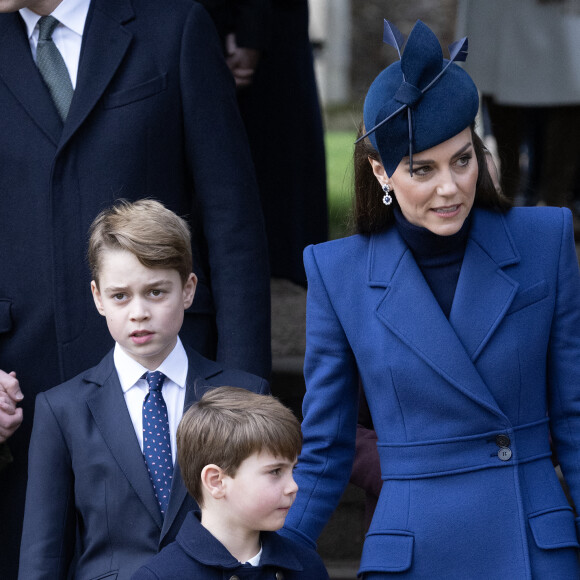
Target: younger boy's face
[
  {"x": 144, "y": 307},
  {"x": 261, "y": 493}
]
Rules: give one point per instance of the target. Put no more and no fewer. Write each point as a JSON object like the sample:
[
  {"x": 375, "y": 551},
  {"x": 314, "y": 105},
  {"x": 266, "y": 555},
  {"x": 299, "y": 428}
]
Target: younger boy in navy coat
[
  {"x": 103, "y": 493},
  {"x": 236, "y": 451}
]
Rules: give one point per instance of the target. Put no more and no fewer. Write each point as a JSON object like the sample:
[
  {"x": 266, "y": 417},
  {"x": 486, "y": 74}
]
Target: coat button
[
  {"x": 502, "y": 441},
  {"x": 279, "y": 575},
  {"x": 505, "y": 453},
  {"x": 234, "y": 577}
]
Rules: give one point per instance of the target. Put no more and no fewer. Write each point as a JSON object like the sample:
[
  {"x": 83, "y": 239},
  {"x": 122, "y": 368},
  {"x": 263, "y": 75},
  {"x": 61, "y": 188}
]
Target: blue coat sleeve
[
  {"x": 330, "y": 413},
  {"x": 564, "y": 363}
]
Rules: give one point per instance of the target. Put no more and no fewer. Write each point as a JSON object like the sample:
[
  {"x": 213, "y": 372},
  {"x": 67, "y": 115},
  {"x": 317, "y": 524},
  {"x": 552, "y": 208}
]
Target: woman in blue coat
[{"x": 460, "y": 317}]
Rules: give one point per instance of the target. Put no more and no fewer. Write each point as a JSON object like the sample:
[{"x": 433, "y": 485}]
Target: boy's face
[
  {"x": 261, "y": 493},
  {"x": 144, "y": 307}
]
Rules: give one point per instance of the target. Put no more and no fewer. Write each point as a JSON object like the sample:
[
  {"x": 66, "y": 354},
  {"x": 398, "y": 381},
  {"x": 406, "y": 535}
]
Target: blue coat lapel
[
  {"x": 19, "y": 72},
  {"x": 105, "y": 43},
  {"x": 483, "y": 296},
  {"x": 484, "y": 291}
]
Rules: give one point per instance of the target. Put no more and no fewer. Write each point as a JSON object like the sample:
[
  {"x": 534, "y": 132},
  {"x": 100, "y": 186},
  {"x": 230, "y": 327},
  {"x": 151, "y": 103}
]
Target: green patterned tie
[{"x": 52, "y": 67}]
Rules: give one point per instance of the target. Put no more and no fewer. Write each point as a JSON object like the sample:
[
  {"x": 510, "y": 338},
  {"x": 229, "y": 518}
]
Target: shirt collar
[
  {"x": 174, "y": 367},
  {"x": 70, "y": 13}
]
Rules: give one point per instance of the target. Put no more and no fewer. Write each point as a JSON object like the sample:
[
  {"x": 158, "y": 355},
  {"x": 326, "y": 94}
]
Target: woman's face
[{"x": 440, "y": 193}]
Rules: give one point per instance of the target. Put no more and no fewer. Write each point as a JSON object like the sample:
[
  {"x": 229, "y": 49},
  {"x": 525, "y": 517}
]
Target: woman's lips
[{"x": 448, "y": 211}]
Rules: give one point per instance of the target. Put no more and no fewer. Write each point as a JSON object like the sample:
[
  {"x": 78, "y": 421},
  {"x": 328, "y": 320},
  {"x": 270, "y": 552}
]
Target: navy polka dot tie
[{"x": 156, "y": 440}]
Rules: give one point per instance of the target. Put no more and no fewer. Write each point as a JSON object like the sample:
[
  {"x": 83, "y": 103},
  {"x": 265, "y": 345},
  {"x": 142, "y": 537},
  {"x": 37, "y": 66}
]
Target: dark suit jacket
[
  {"x": 154, "y": 114},
  {"x": 462, "y": 405},
  {"x": 88, "y": 479}
]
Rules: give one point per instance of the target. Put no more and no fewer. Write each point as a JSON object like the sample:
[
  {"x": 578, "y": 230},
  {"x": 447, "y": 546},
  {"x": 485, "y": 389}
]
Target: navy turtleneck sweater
[{"x": 439, "y": 257}]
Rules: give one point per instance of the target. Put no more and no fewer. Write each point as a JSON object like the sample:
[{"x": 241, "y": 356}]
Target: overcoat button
[
  {"x": 505, "y": 453},
  {"x": 502, "y": 441},
  {"x": 279, "y": 575},
  {"x": 234, "y": 577}
]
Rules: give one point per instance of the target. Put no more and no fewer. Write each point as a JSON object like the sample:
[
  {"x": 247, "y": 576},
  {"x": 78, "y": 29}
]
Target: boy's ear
[
  {"x": 97, "y": 298},
  {"x": 212, "y": 479},
  {"x": 189, "y": 290}
]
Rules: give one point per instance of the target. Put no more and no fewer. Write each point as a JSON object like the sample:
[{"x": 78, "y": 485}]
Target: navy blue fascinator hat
[{"x": 421, "y": 100}]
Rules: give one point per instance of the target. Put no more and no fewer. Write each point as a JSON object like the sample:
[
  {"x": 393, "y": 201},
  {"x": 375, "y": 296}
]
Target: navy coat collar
[
  {"x": 483, "y": 296},
  {"x": 199, "y": 544},
  {"x": 109, "y": 410}
]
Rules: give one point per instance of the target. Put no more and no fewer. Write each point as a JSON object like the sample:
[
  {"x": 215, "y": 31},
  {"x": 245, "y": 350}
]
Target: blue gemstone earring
[{"x": 387, "y": 198}]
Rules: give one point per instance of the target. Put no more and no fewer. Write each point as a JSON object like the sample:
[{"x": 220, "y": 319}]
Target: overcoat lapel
[
  {"x": 105, "y": 43},
  {"x": 18, "y": 71},
  {"x": 409, "y": 309},
  {"x": 111, "y": 415}
]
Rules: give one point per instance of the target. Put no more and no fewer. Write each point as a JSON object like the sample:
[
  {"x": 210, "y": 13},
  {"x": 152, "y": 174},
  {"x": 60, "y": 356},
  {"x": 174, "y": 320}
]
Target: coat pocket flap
[
  {"x": 529, "y": 296},
  {"x": 138, "y": 93},
  {"x": 554, "y": 529},
  {"x": 387, "y": 551},
  {"x": 5, "y": 316}
]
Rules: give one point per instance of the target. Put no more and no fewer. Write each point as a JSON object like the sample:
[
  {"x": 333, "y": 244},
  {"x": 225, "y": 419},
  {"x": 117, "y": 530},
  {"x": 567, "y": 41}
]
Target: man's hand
[
  {"x": 10, "y": 396},
  {"x": 242, "y": 61}
]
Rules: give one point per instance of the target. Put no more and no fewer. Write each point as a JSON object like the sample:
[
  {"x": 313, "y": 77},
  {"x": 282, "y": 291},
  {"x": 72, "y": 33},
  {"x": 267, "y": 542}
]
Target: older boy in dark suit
[{"x": 103, "y": 495}]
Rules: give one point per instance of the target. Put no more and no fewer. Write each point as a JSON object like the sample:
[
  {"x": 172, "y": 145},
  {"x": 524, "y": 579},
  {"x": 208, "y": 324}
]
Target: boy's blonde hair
[
  {"x": 155, "y": 235},
  {"x": 226, "y": 426}
]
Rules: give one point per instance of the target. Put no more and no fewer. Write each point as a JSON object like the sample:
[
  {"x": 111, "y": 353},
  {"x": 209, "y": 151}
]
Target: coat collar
[
  {"x": 199, "y": 544},
  {"x": 483, "y": 295},
  {"x": 109, "y": 410}
]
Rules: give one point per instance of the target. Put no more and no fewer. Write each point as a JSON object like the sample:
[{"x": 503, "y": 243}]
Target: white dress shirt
[
  {"x": 67, "y": 36},
  {"x": 135, "y": 388}
]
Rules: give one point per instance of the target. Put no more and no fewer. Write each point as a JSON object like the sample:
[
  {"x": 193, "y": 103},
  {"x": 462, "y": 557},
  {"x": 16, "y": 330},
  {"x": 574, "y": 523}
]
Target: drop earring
[{"x": 387, "y": 198}]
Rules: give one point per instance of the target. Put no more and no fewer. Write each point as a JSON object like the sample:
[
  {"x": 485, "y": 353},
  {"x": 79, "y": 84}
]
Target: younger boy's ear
[
  {"x": 189, "y": 290},
  {"x": 212, "y": 479},
  {"x": 97, "y": 298}
]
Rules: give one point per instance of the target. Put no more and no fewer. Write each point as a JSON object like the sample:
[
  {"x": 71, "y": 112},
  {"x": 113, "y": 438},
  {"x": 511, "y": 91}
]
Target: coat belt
[{"x": 439, "y": 457}]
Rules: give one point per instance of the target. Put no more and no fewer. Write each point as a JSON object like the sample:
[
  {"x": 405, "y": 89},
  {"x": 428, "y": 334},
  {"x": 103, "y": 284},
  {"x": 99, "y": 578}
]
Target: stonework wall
[{"x": 369, "y": 55}]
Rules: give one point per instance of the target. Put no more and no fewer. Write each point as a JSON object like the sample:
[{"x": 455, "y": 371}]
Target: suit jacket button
[
  {"x": 502, "y": 441},
  {"x": 279, "y": 575},
  {"x": 505, "y": 453}
]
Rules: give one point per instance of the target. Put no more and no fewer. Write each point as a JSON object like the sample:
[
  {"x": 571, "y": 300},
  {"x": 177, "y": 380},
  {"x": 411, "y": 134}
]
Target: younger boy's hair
[
  {"x": 155, "y": 235},
  {"x": 226, "y": 426}
]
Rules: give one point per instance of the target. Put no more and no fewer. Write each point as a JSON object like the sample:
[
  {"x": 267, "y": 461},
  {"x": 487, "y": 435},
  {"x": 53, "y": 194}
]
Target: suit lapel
[
  {"x": 200, "y": 370},
  {"x": 18, "y": 71},
  {"x": 111, "y": 415},
  {"x": 411, "y": 312},
  {"x": 105, "y": 43}
]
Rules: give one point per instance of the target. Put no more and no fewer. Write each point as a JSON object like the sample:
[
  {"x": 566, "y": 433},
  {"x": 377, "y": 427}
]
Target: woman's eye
[
  {"x": 422, "y": 170},
  {"x": 464, "y": 160},
  {"x": 118, "y": 297}
]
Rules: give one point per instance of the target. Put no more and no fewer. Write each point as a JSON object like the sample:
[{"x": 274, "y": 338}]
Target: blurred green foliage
[{"x": 339, "y": 149}]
